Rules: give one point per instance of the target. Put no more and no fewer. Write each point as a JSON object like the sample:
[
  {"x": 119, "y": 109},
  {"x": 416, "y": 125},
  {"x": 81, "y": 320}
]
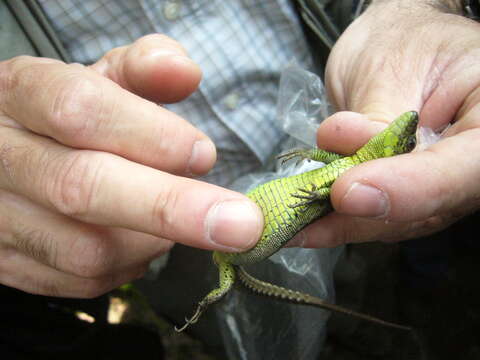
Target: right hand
[
  {"x": 376, "y": 71},
  {"x": 94, "y": 178}
]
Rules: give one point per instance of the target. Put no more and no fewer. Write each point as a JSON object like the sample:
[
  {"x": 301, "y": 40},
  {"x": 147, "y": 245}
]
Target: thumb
[
  {"x": 415, "y": 186},
  {"x": 154, "y": 67}
]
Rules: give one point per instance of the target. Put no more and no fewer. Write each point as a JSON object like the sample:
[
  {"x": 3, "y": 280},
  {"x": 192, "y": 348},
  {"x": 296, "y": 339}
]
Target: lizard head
[{"x": 398, "y": 138}]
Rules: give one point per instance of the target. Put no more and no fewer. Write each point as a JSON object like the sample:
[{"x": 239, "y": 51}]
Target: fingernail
[
  {"x": 184, "y": 60},
  {"x": 364, "y": 200},
  {"x": 235, "y": 224},
  {"x": 203, "y": 157},
  {"x": 164, "y": 52},
  {"x": 171, "y": 54}
]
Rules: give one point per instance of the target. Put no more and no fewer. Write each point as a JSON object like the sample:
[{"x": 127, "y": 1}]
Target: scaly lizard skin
[{"x": 291, "y": 203}]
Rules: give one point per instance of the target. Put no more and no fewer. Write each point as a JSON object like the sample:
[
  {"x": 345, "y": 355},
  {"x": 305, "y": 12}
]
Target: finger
[
  {"x": 24, "y": 273},
  {"x": 82, "y": 109},
  {"x": 71, "y": 246},
  {"x": 337, "y": 229},
  {"x": 345, "y": 132},
  {"x": 105, "y": 189},
  {"x": 415, "y": 186},
  {"x": 154, "y": 67}
]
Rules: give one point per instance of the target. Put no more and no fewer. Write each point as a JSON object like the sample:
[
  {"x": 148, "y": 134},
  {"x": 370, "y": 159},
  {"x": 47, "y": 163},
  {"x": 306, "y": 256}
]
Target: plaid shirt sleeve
[{"x": 241, "y": 46}]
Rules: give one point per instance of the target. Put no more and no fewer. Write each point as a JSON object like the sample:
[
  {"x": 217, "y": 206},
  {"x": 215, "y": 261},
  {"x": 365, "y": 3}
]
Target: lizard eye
[{"x": 411, "y": 142}]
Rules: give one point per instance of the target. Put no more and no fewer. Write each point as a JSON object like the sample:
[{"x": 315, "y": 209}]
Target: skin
[
  {"x": 377, "y": 70},
  {"x": 95, "y": 178}
]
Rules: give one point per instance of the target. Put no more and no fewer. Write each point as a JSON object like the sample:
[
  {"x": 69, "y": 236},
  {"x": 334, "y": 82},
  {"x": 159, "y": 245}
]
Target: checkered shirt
[{"x": 241, "y": 46}]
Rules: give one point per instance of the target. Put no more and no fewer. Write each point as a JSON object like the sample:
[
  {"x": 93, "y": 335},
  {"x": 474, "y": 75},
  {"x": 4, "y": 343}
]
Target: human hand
[
  {"x": 400, "y": 56},
  {"x": 94, "y": 178}
]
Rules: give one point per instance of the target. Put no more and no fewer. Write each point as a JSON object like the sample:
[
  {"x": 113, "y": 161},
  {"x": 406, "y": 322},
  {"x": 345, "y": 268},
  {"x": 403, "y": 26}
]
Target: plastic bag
[
  {"x": 257, "y": 327},
  {"x": 302, "y": 104}
]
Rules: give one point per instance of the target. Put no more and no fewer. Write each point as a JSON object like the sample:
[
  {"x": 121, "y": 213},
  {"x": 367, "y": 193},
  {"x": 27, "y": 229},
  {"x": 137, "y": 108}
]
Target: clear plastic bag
[
  {"x": 302, "y": 104},
  {"x": 256, "y": 327}
]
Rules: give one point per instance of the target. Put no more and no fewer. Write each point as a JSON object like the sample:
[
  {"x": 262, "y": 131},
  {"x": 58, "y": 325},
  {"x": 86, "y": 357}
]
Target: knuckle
[
  {"x": 75, "y": 183},
  {"x": 90, "y": 257},
  {"x": 36, "y": 243},
  {"x": 20, "y": 75},
  {"x": 9, "y": 77},
  {"x": 76, "y": 101},
  {"x": 163, "y": 212},
  {"x": 6, "y": 77},
  {"x": 73, "y": 100},
  {"x": 8, "y": 70},
  {"x": 8, "y": 162}
]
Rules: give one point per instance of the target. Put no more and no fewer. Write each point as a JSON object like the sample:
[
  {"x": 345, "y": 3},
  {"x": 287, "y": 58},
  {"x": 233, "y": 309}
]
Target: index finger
[
  {"x": 80, "y": 108},
  {"x": 105, "y": 189}
]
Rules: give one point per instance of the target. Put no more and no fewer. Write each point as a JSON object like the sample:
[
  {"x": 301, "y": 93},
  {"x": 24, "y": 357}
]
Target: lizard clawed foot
[
  {"x": 310, "y": 196},
  {"x": 302, "y": 154},
  {"x": 200, "y": 309}
]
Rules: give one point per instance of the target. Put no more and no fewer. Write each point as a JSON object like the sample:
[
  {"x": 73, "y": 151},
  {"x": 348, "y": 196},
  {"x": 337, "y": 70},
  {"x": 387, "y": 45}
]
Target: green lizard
[{"x": 291, "y": 203}]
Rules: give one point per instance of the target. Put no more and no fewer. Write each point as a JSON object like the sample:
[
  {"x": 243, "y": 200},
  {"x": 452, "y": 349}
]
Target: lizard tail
[{"x": 264, "y": 288}]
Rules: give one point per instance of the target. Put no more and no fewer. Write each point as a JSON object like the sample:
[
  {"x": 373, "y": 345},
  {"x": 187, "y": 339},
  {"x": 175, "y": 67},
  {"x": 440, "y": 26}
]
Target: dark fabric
[
  {"x": 38, "y": 327},
  {"x": 323, "y": 22},
  {"x": 427, "y": 261},
  {"x": 430, "y": 284}
]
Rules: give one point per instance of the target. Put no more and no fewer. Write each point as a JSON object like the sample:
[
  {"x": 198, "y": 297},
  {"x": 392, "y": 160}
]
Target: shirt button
[
  {"x": 231, "y": 100},
  {"x": 171, "y": 10}
]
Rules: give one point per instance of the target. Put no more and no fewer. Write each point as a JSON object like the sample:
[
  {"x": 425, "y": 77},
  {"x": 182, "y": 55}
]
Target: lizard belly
[
  {"x": 275, "y": 237},
  {"x": 282, "y": 222}
]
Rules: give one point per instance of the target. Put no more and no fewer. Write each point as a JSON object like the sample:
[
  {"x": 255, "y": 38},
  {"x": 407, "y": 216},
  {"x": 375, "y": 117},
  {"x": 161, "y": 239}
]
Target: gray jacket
[{"x": 24, "y": 30}]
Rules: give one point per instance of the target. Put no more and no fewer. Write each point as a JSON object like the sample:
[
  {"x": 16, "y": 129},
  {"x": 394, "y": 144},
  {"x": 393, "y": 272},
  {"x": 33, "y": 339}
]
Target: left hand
[{"x": 400, "y": 56}]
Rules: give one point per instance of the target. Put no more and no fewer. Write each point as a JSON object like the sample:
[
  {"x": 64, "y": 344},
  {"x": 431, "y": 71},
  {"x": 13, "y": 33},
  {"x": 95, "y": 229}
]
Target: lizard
[{"x": 290, "y": 203}]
